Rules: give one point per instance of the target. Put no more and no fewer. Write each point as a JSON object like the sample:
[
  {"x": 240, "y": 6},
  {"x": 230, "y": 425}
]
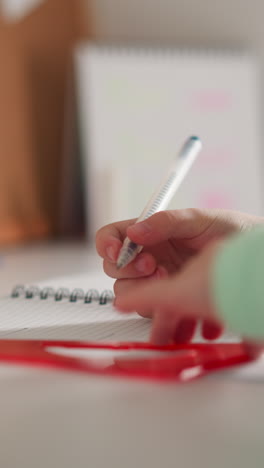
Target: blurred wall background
[
  {"x": 202, "y": 23},
  {"x": 35, "y": 56},
  {"x": 187, "y": 22}
]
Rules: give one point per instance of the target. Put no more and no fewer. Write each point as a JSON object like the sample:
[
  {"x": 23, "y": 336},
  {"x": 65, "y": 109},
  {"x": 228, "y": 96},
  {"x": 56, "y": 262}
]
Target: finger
[
  {"x": 146, "y": 295},
  {"x": 211, "y": 330},
  {"x": 178, "y": 224},
  {"x": 143, "y": 265},
  {"x": 185, "y": 330},
  {"x": 163, "y": 327},
  {"x": 123, "y": 286},
  {"x": 109, "y": 239},
  {"x": 167, "y": 294},
  {"x": 109, "y": 249},
  {"x": 193, "y": 227}
]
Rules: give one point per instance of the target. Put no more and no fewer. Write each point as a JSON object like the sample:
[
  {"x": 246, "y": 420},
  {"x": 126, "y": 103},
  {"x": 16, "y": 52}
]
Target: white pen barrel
[{"x": 163, "y": 195}]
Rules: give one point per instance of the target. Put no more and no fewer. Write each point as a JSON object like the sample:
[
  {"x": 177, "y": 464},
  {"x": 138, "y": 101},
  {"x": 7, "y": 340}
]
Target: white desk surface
[{"x": 59, "y": 420}]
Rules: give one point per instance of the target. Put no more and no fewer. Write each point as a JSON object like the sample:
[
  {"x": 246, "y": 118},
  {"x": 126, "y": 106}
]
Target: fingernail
[
  {"x": 140, "y": 265},
  {"x": 141, "y": 228},
  {"x": 160, "y": 273},
  {"x": 110, "y": 252},
  {"x": 157, "y": 274}
]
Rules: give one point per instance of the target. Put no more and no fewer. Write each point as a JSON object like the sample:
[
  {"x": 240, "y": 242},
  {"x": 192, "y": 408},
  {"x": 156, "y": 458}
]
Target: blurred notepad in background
[{"x": 136, "y": 108}]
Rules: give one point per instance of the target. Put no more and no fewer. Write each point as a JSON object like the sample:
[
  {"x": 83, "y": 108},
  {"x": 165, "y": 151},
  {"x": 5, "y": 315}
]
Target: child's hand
[
  {"x": 176, "y": 301},
  {"x": 170, "y": 239}
]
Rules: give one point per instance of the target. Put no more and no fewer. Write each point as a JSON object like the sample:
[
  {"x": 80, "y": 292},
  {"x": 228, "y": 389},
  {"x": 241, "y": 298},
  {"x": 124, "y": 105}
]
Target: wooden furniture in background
[{"x": 35, "y": 57}]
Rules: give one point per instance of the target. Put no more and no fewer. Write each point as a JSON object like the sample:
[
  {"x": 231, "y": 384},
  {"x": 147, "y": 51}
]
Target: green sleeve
[{"x": 238, "y": 283}]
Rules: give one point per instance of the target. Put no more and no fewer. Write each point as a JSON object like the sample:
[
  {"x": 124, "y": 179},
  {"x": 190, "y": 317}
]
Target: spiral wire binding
[
  {"x": 166, "y": 51},
  {"x": 76, "y": 295}
]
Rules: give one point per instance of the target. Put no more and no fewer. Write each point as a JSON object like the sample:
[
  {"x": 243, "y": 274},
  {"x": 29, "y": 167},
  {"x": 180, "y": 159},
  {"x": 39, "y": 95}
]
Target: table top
[
  {"x": 40, "y": 262},
  {"x": 57, "y": 419}
]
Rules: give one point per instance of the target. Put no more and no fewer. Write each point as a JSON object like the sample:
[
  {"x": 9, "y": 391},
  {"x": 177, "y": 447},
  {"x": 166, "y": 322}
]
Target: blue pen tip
[{"x": 195, "y": 138}]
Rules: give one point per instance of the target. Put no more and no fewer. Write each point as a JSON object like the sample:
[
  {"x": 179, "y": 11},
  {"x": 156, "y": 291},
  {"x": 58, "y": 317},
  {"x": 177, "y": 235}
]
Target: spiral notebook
[
  {"x": 79, "y": 310},
  {"x": 47, "y": 313}
]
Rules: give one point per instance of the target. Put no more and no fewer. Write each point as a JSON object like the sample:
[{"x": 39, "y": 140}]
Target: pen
[{"x": 161, "y": 198}]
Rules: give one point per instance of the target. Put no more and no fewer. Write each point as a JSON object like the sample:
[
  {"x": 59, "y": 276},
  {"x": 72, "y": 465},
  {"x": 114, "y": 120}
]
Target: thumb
[{"x": 178, "y": 224}]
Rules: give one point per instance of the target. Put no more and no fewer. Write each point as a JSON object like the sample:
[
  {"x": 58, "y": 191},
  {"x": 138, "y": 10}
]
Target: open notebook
[{"x": 80, "y": 310}]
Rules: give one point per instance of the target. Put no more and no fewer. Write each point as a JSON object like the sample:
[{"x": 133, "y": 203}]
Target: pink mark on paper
[
  {"x": 213, "y": 200},
  {"x": 212, "y": 100},
  {"x": 221, "y": 156}
]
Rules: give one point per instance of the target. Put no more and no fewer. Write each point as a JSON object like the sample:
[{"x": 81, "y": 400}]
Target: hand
[
  {"x": 172, "y": 302},
  {"x": 176, "y": 301},
  {"x": 170, "y": 239}
]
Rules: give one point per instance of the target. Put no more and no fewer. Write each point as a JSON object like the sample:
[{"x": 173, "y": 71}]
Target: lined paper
[{"x": 47, "y": 319}]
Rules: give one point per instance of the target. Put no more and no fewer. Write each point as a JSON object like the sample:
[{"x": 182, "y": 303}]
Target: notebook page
[{"x": 63, "y": 320}]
